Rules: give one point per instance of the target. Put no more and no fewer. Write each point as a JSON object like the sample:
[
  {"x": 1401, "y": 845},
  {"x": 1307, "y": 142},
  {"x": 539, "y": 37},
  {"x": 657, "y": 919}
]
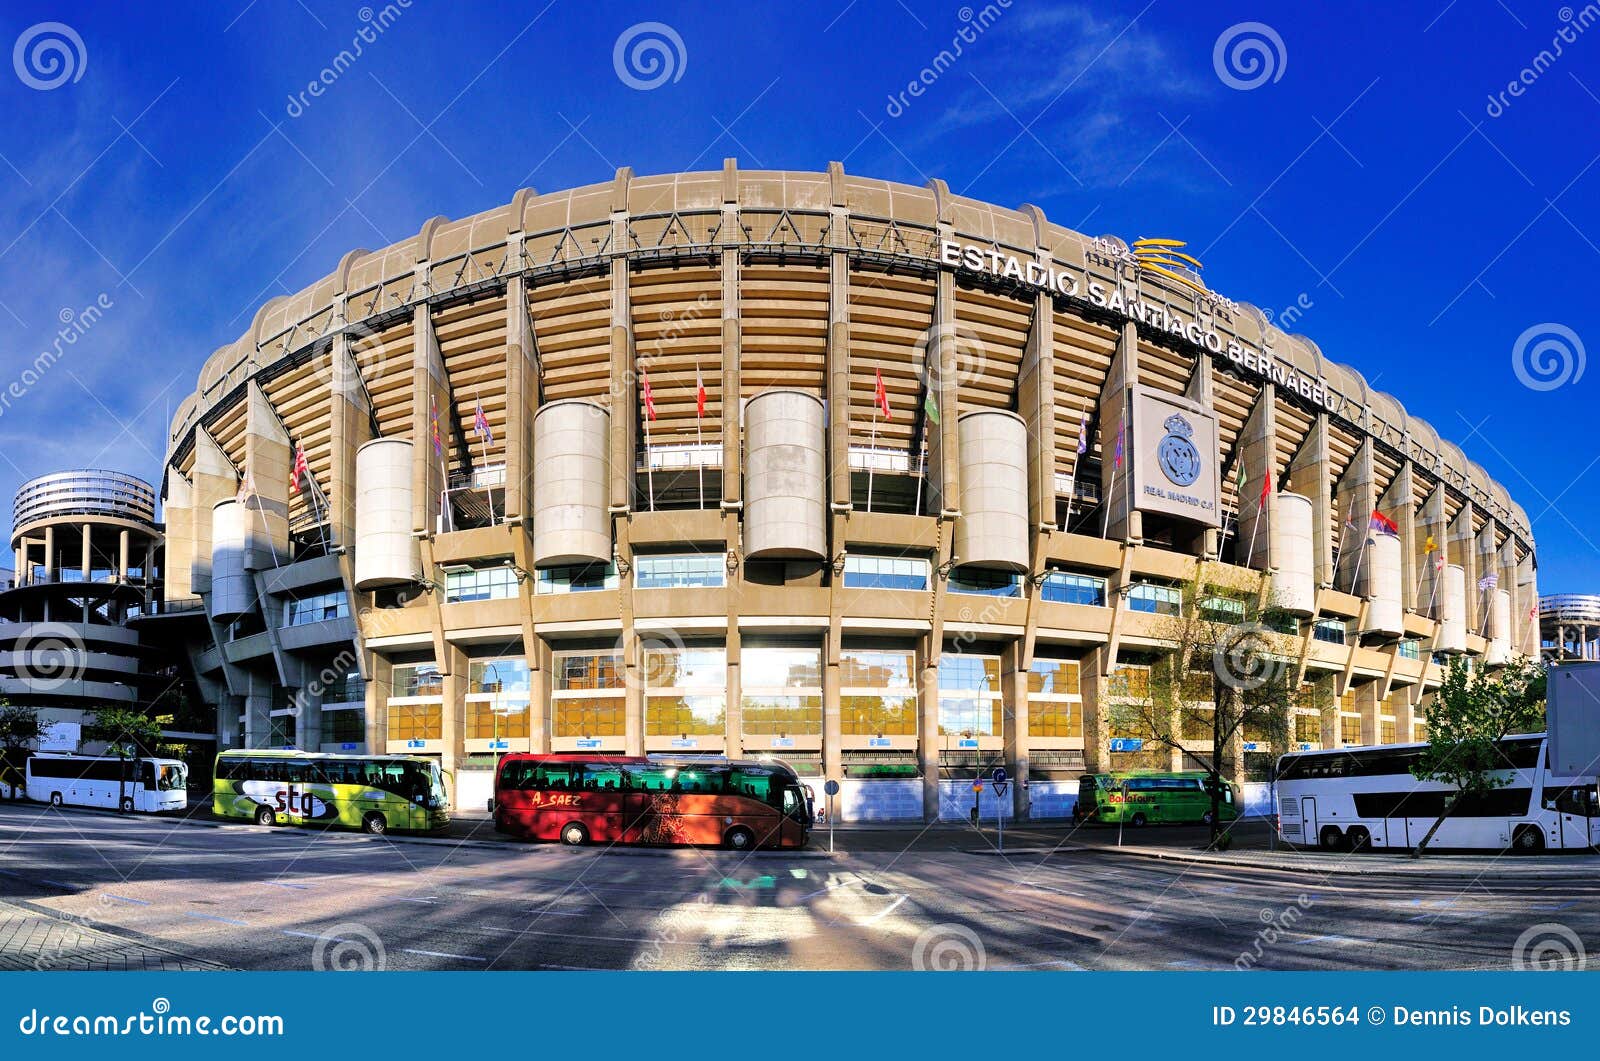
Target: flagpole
[
  {"x": 699, "y": 441},
  {"x": 1355, "y": 578},
  {"x": 872, "y": 454},
  {"x": 1250, "y": 553}
]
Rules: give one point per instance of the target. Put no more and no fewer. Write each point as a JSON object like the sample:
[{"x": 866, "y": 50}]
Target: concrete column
[
  {"x": 49, "y": 554},
  {"x": 1488, "y": 563},
  {"x": 267, "y": 457},
  {"x": 929, "y": 742},
  {"x": 349, "y": 428},
  {"x": 624, "y": 383},
  {"x": 87, "y": 562},
  {"x": 214, "y": 479},
  {"x": 1257, "y": 449},
  {"x": 734, "y": 713},
  {"x": 1396, "y": 503},
  {"x": 832, "y": 648},
  {"x": 1093, "y": 675},
  {"x": 1461, "y": 552},
  {"x": 944, "y": 439},
  {"x": 1354, "y": 500},
  {"x": 523, "y": 387},
  {"x": 122, "y": 555},
  {"x": 1036, "y": 395},
  {"x": 1201, "y": 389},
  {"x": 456, "y": 686},
  {"x": 1311, "y": 474},
  {"x": 1526, "y": 624},
  {"x": 1369, "y": 705},
  {"x": 430, "y": 391},
  {"x": 838, "y": 374},
  {"x": 380, "y": 683},
  {"x": 732, "y": 349},
  {"x": 1430, "y": 526},
  {"x": 1122, "y": 523},
  {"x": 1014, "y": 689}
]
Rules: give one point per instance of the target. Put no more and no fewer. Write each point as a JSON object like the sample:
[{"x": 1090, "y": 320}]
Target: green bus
[
  {"x": 374, "y": 793},
  {"x": 1151, "y": 798}
]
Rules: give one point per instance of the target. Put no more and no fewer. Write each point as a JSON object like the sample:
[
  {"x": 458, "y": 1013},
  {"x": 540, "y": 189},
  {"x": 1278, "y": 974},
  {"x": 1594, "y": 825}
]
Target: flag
[
  {"x": 299, "y": 471},
  {"x": 1383, "y": 523},
  {"x": 1438, "y": 564},
  {"x": 1489, "y": 581},
  {"x": 1118, "y": 461},
  {"x": 649, "y": 397},
  {"x": 480, "y": 424},
  {"x": 438, "y": 443},
  {"x": 247, "y": 486},
  {"x": 1429, "y": 546},
  {"x": 1266, "y": 489},
  {"x": 699, "y": 394},
  {"x": 931, "y": 407},
  {"x": 881, "y": 397},
  {"x": 1083, "y": 432},
  {"x": 1238, "y": 477}
]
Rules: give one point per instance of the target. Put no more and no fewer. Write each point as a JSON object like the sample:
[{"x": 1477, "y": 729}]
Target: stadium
[{"x": 893, "y": 484}]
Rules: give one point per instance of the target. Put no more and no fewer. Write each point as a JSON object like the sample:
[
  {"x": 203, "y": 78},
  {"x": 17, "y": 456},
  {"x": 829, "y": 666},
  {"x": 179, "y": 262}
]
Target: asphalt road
[{"x": 287, "y": 898}]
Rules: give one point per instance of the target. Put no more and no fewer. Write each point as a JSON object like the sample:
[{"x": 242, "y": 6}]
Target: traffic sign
[
  {"x": 977, "y": 786},
  {"x": 1000, "y": 775},
  {"x": 831, "y": 788}
]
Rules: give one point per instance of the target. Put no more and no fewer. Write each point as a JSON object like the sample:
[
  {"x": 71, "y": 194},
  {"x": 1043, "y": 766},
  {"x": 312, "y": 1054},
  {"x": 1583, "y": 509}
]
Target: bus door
[
  {"x": 1308, "y": 819},
  {"x": 1577, "y": 815}
]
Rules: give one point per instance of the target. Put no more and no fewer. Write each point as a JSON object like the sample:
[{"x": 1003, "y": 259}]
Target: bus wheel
[
  {"x": 55, "y": 799},
  {"x": 739, "y": 839},
  {"x": 1360, "y": 839},
  {"x": 1138, "y": 820},
  {"x": 1527, "y": 840},
  {"x": 265, "y": 816},
  {"x": 1207, "y": 818},
  {"x": 126, "y": 806},
  {"x": 573, "y": 834},
  {"x": 1331, "y": 839},
  {"x": 375, "y": 823}
]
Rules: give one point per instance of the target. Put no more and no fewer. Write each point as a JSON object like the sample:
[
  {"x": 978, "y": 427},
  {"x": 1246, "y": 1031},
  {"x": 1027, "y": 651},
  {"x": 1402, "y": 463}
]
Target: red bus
[{"x": 580, "y": 799}]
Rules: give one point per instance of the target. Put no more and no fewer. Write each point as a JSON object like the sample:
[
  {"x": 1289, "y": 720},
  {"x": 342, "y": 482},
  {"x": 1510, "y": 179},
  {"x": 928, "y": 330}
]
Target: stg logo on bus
[{"x": 292, "y": 801}]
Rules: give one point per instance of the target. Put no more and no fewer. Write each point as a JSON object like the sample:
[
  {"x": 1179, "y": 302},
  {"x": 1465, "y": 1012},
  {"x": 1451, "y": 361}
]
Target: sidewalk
[{"x": 1369, "y": 864}]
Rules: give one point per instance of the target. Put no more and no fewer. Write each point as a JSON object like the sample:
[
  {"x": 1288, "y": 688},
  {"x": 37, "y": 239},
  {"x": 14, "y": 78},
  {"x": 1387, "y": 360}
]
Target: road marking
[
  {"x": 427, "y": 902},
  {"x": 56, "y": 883},
  {"x": 1326, "y": 939},
  {"x": 281, "y": 884},
  {"x": 441, "y": 954},
  {"x": 125, "y": 899},
  {"x": 213, "y": 917},
  {"x": 1554, "y": 906},
  {"x": 1062, "y": 962},
  {"x": 829, "y": 888}
]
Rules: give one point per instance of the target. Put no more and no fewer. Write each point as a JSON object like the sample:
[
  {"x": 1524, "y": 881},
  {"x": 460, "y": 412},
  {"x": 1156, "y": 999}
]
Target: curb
[{"x": 1435, "y": 870}]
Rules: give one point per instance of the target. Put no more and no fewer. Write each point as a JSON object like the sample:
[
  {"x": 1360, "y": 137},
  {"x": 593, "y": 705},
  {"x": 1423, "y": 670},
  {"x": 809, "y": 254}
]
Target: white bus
[
  {"x": 125, "y": 784},
  {"x": 1355, "y": 798}
]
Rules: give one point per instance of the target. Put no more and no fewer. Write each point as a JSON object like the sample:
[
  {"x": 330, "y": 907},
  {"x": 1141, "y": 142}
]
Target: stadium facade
[{"x": 891, "y": 483}]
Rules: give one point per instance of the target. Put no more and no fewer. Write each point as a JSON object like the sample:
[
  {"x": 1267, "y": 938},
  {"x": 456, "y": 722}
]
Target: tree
[
  {"x": 1227, "y": 674},
  {"x": 1472, "y": 711},
  {"x": 129, "y": 734},
  {"x": 20, "y": 730}
]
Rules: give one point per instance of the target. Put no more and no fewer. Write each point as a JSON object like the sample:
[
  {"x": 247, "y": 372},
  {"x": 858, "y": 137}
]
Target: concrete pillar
[
  {"x": 454, "y": 723},
  {"x": 1488, "y": 564},
  {"x": 1462, "y": 552},
  {"x": 123, "y": 543},
  {"x": 349, "y": 428},
  {"x": 734, "y": 712},
  {"x": 1430, "y": 528},
  {"x": 267, "y": 457},
  {"x": 1355, "y": 499},
  {"x": 380, "y": 683},
  {"x": 214, "y": 479},
  {"x": 1093, "y": 675},
  {"x": 929, "y": 742},
  {"x": 1014, "y": 721},
  {"x": 624, "y": 385},
  {"x": 523, "y": 390},
  {"x": 1122, "y": 523},
  {"x": 430, "y": 393},
  {"x": 49, "y": 554},
  {"x": 944, "y": 439},
  {"x": 87, "y": 563},
  {"x": 1311, "y": 474},
  {"x": 1369, "y": 705},
  {"x": 838, "y": 374},
  {"x": 1396, "y": 503},
  {"x": 1256, "y": 450}
]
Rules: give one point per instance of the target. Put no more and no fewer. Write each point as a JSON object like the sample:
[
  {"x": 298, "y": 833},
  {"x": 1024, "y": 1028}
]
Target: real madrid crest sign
[{"x": 1176, "y": 454}]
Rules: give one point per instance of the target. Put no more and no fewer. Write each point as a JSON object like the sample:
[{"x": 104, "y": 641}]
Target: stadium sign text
[{"x": 1047, "y": 277}]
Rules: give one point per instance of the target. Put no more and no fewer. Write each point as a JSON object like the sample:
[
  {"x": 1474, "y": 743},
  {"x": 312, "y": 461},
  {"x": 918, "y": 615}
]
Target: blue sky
[{"x": 1368, "y": 177}]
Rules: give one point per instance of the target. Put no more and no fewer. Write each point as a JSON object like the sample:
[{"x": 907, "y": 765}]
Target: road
[{"x": 84, "y": 890}]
